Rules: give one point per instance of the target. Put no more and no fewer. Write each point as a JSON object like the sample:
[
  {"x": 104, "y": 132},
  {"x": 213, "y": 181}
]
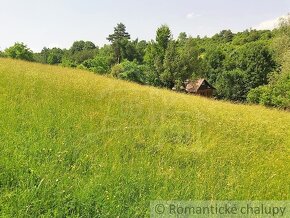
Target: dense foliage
[
  {"x": 277, "y": 92},
  {"x": 248, "y": 66},
  {"x": 19, "y": 51}
]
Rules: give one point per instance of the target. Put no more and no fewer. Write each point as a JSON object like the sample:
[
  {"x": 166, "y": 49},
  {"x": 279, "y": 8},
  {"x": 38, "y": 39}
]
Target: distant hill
[{"x": 76, "y": 144}]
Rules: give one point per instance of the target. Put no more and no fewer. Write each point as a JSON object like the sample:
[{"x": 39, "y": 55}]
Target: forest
[{"x": 252, "y": 66}]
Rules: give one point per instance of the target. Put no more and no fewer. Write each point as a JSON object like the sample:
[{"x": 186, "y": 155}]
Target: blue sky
[{"x": 40, "y": 23}]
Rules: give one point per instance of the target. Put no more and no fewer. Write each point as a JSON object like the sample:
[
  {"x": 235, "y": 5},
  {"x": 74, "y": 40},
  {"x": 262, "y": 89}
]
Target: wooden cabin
[{"x": 199, "y": 87}]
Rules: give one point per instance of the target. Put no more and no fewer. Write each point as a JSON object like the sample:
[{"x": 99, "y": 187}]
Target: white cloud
[
  {"x": 192, "y": 15},
  {"x": 269, "y": 24}
]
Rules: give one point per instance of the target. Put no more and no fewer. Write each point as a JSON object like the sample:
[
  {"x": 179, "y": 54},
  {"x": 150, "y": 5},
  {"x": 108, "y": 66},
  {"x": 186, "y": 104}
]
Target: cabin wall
[{"x": 205, "y": 92}]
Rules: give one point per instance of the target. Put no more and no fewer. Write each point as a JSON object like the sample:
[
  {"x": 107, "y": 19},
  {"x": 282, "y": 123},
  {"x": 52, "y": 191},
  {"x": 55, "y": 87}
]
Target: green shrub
[
  {"x": 276, "y": 94},
  {"x": 99, "y": 65},
  {"x": 129, "y": 70},
  {"x": 19, "y": 51}
]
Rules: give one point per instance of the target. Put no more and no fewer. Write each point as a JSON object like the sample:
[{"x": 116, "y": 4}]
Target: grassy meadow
[{"x": 75, "y": 144}]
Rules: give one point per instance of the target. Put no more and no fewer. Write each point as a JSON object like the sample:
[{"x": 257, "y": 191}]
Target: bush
[
  {"x": 276, "y": 94},
  {"x": 99, "y": 65},
  {"x": 254, "y": 95},
  {"x": 117, "y": 70},
  {"x": 266, "y": 95},
  {"x": 2, "y": 54},
  {"x": 19, "y": 51},
  {"x": 129, "y": 70}
]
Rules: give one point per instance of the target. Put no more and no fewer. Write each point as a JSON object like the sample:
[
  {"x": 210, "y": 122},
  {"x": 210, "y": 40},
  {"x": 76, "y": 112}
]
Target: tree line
[{"x": 249, "y": 66}]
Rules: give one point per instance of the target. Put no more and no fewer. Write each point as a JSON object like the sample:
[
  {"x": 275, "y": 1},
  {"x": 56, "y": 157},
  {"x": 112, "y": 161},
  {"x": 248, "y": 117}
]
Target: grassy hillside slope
[{"x": 76, "y": 144}]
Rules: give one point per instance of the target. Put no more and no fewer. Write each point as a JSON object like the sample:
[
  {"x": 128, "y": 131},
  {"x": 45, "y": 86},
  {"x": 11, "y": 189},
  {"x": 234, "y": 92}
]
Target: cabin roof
[{"x": 198, "y": 85}]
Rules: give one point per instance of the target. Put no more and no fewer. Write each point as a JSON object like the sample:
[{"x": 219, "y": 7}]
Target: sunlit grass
[{"x": 80, "y": 145}]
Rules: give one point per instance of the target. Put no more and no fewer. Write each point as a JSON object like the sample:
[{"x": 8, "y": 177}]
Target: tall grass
[{"x": 73, "y": 144}]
